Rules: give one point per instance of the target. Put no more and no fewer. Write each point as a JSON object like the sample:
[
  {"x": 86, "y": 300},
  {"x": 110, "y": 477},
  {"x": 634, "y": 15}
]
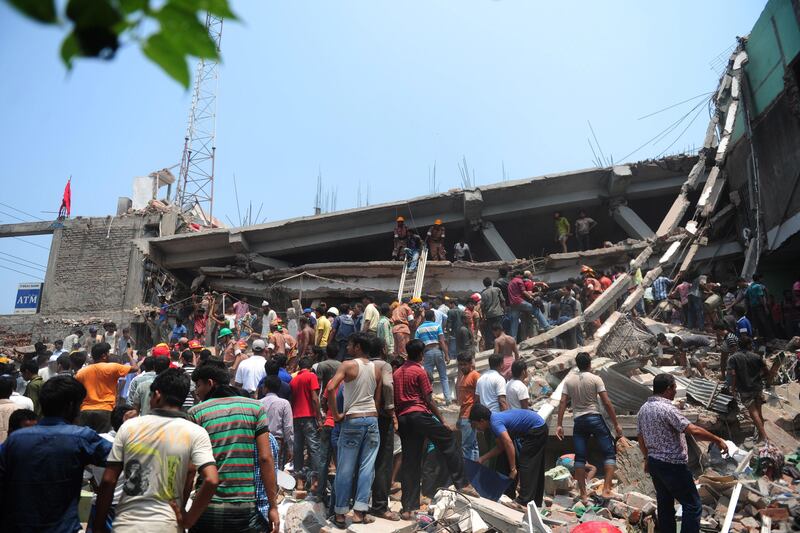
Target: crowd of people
[{"x": 146, "y": 428}]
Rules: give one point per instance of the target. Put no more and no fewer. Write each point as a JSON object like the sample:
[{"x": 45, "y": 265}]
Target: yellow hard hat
[
  {"x": 416, "y": 300},
  {"x": 438, "y": 221}
]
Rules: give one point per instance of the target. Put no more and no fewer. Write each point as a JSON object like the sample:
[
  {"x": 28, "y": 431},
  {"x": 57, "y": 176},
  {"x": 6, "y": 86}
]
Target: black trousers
[
  {"x": 414, "y": 428},
  {"x": 383, "y": 466},
  {"x": 530, "y": 467}
]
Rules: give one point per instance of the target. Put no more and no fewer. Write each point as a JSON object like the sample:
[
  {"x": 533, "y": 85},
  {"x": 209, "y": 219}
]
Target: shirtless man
[
  {"x": 506, "y": 346},
  {"x": 305, "y": 337}
]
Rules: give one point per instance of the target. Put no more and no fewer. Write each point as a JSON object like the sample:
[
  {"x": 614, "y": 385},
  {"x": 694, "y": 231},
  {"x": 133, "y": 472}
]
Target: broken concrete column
[
  {"x": 632, "y": 223},
  {"x": 496, "y": 242}
]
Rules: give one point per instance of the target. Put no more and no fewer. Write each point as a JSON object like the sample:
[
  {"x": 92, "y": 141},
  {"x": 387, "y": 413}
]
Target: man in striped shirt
[{"x": 239, "y": 436}]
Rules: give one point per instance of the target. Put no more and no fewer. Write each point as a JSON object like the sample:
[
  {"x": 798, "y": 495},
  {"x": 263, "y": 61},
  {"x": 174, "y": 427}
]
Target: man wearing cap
[
  {"x": 400, "y": 236},
  {"x": 436, "y": 242},
  {"x": 251, "y": 370},
  {"x": 226, "y": 346},
  {"x": 311, "y": 316},
  {"x": 268, "y": 316}
]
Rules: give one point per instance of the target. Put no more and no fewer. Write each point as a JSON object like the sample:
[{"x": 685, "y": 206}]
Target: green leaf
[
  {"x": 132, "y": 6},
  {"x": 93, "y": 14},
  {"x": 41, "y": 10},
  {"x": 69, "y": 49},
  {"x": 185, "y": 33},
  {"x": 159, "y": 49}
]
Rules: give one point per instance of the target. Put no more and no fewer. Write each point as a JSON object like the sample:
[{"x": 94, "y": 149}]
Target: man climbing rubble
[{"x": 746, "y": 370}]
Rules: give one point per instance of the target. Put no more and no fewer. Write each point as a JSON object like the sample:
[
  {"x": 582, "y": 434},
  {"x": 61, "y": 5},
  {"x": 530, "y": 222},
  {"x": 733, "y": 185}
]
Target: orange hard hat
[
  {"x": 401, "y": 219},
  {"x": 438, "y": 222},
  {"x": 195, "y": 345},
  {"x": 161, "y": 350}
]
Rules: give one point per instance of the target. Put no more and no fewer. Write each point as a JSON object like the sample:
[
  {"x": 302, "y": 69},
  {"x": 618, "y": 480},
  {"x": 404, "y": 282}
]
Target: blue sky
[{"x": 369, "y": 92}]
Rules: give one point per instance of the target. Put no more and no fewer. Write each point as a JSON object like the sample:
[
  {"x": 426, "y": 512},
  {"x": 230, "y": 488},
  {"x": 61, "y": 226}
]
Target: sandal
[
  {"x": 341, "y": 524},
  {"x": 407, "y": 516},
  {"x": 388, "y": 515},
  {"x": 516, "y": 506},
  {"x": 469, "y": 490},
  {"x": 361, "y": 517}
]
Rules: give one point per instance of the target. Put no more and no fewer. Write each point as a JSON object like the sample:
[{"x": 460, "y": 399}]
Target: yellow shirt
[{"x": 323, "y": 332}]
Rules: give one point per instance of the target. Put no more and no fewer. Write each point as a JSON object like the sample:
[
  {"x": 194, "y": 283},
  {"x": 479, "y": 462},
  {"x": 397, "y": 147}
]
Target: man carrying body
[
  {"x": 529, "y": 430},
  {"x": 239, "y": 432},
  {"x": 436, "y": 354},
  {"x": 663, "y": 444},
  {"x": 436, "y": 242},
  {"x": 100, "y": 379},
  {"x": 420, "y": 419},
  {"x": 157, "y": 469},
  {"x": 359, "y": 434},
  {"x": 506, "y": 347},
  {"x": 746, "y": 370},
  {"x": 583, "y": 389},
  {"x": 400, "y": 236}
]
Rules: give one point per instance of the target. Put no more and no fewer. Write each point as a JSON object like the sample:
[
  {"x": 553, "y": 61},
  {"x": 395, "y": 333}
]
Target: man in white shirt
[
  {"x": 517, "y": 393},
  {"x": 251, "y": 371},
  {"x": 490, "y": 390}
]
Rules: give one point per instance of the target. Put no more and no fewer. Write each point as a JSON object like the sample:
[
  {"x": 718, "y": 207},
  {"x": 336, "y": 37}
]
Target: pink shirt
[{"x": 683, "y": 292}]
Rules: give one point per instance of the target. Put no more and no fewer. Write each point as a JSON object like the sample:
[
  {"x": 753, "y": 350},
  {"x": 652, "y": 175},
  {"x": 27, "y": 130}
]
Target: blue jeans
[
  {"x": 469, "y": 441},
  {"x": 359, "y": 439},
  {"x": 675, "y": 482},
  {"x": 306, "y": 434},
  {"x": 585, "y": 427},
  {"x": 526, "y": 307},
  {"x": 434, "y": 358}
]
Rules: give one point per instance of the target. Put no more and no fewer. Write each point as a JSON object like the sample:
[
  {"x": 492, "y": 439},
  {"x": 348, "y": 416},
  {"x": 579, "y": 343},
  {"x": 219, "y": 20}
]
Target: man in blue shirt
[
  {"x": 743, "y": 326},
  {"x": 41, "y": 467},
  {"x": 528, "y": 431},
  {"x": 436, "y": 354}
]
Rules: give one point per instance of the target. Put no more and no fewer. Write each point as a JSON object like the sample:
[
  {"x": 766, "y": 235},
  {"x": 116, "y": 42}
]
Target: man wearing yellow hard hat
[
  {"x": 436, "y": 242},
  {"x": 400, "y": 237}
]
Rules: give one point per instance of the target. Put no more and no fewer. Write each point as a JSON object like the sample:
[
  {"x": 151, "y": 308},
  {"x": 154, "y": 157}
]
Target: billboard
[{"x": 28, "y": 298}]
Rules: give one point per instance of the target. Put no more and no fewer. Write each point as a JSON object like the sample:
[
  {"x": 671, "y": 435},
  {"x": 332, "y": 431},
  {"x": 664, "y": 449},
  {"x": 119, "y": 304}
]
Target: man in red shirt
[
  {"x": 520, "y": 301},
  {"x": 307, "y": 421},
  {"x": 420, "y": 419}
]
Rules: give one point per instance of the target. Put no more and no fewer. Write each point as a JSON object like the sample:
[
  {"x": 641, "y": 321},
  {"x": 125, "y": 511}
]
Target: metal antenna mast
[{"x": 196, "y": 178}]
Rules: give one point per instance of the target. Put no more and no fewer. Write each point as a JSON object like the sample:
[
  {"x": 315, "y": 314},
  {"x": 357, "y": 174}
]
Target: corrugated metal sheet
[
  {"x": 626, "y": 395},
  {"x": 708, "y": 394}
]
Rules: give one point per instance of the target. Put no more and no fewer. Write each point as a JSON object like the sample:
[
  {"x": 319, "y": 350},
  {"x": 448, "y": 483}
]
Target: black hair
[
  {"x": 204, "y": 356},
  {"x": 305, "y": 362},
  {"x": 495, "y": 361},
  {"x": 343, "y": 309},
  {"x": 430, "y": 316},
  {"x": 77, "y": 360},
  {"x": 273, "y": 384},
  {"x": 160, "y": 364},
  {"x": 18, "y": 417},
  {"x": 363, "y": 340},
  {"x": 63, "y": 361},
  {"x": 213, "y": 371},
  {"x": 187, "y": 356},
  {"x": 661, "y": 337},
  {"x": 148, "y": 363},
  {"x": 396, "y": 362},
  {"x": 739, "y": 312},
  {"x": 465, "y": 357},
  {"x": 662, "y": 382},
  {"x": 58, "y": 342},
  {"x": 61, "y": 396},
  {"x": 745, "y": 342},
  {"x": 7, "y": 386},
  {"x": 100, "y": 349},
  {"x": 118, "y": 415},
  {"x": 677, "y": 341},
  {"x": 497, "y": 327},
  {"x": 479, "y": 413},
  {"x": 174, "y": 355},
  {"x": 271, "y": 367},
  {"x": 583, "y": 361},
  {"x": 720, "y": 326},
  {"x": 487, "y": 282},
  {"x": 503, "y": 271},
  {"x": 29, "y": 365},
  {"x": 319, "y": 353},
  {"x": 173, "y": 384},
  {"x": 385, "y": 309},
  {"x": 414, "y": 349},
  {"x": 518, "y": 367},
  {"x": 281, "y": 360},
  {"x": 368, "y": 298},
  {"x": 332, "y": 350}
]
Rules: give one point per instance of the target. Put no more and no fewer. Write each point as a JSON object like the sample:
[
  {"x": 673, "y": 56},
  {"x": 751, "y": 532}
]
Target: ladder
[{"x": 411, "y": 282}]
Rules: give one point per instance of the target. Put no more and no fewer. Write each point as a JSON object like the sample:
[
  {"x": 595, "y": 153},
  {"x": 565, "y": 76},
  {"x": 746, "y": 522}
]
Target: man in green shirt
[
  {"x": 30, "y": 373},
  {"x": 562, "y": 230}
]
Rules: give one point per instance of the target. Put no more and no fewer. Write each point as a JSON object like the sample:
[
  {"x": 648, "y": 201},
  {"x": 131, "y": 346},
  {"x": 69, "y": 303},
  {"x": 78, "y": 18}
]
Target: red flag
[{"x": 66, "y": 201}]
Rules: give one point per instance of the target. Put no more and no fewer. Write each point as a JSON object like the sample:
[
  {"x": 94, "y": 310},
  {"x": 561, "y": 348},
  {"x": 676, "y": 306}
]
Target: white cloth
[
  {"x": 516, "y": 391},
  {"x": 155, "y": 452},
  {"x": 97, "y": 473},
  {"x": 23, "y": 401},
  {"x": 489, "y": 388},
  {"x": 250, "y": 372}
]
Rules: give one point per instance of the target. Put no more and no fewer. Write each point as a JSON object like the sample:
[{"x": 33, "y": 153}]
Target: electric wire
[
  {"x": 22, "y": 264},
  {"x": 21, "y": 211},
  {"x": 22, "y": 259},
  {"x": 32, "y": 276}
]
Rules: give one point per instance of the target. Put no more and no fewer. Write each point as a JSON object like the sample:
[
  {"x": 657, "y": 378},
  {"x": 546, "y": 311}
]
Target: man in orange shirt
[
  {"x": 465, "y": 395},
  {"x": 400, "y": 330},
  {"x": 100, "y": 379}
]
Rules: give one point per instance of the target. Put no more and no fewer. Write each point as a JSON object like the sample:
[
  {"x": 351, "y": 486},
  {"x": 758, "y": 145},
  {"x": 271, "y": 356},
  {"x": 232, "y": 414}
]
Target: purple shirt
[{"x": 661, "y": 425}]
